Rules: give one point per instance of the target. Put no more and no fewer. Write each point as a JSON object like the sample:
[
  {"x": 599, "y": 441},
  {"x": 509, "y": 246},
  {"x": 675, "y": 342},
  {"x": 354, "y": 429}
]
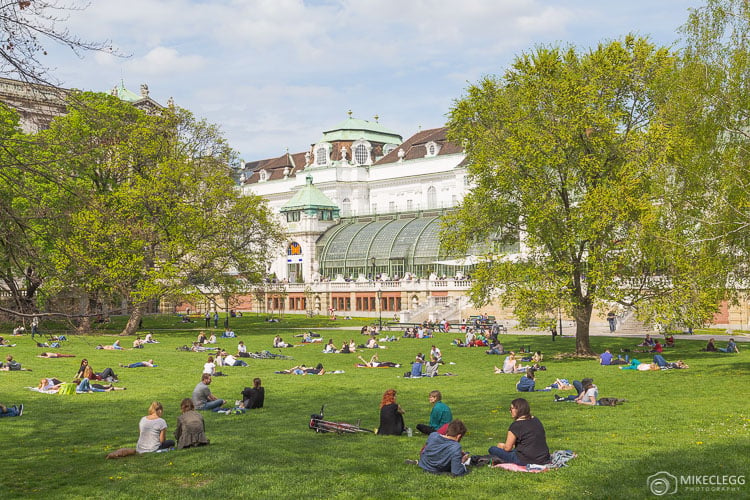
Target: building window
[
  {"x": 410, "y": 204},
  {"x": 431, "y": 197},
  {"x": 388, "y": 148},
  {"x": 432, "y": 149},
  {"x": 326, "y": 215},
  {"x": 263, "y": 176},
  {"x": 361, "y": 152},
  {"x": 292, "y": 216},
  {"x": 346, "y": 207}
]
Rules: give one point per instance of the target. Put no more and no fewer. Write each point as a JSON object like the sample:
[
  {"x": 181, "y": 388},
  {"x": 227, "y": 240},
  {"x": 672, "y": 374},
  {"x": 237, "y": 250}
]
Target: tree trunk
[
  {"x": 135, "y": 318},
  {"x": 582, "y": 314},
  {"x": 84, "y": 324}
]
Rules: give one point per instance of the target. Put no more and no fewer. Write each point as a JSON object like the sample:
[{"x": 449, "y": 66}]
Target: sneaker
[
  {"x": 20, "y": 410},
  {"x": 410, "y": 462},
  {"x": 558, "y": 397}
]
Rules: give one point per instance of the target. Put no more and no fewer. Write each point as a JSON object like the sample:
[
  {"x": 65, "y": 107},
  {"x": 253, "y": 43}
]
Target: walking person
[{"x": 208, "y": 319}]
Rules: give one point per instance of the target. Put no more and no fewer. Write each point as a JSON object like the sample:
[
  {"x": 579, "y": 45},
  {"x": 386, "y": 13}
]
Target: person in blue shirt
[
  {"x": 605, "y": 358},
  {"x": 444, "y": 453},
  {"x": 416, "y": 367},
  {"x": 527, "y": 382},
  {"x": 731, "y": 347},
  {"x": 439, "y": 416}
]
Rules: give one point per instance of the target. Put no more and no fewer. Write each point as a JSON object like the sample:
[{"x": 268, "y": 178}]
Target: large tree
[
  {"x": 567, "y": 152},
  {"x": 156, "y": 212}
]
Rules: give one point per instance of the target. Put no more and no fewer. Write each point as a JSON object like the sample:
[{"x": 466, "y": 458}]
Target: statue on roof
[{"x": 144, "y": 90}]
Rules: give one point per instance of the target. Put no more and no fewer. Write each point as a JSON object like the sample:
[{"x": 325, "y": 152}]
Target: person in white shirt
[{"x": 210, "y": 367}]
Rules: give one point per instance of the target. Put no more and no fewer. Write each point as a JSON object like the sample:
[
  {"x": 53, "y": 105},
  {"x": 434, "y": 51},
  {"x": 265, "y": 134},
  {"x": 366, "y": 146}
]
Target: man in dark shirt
[{"x": 443, "y": 453}]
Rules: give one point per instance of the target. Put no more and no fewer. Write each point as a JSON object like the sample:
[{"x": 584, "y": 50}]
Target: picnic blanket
[{"x": 558, "y": 459}]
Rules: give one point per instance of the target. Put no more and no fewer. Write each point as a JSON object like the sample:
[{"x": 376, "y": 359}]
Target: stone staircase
[{"x": 629, "y": 324}]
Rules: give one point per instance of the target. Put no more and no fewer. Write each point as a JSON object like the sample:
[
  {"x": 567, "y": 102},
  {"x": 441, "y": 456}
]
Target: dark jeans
[
  {"x": 107, "y": 373},
  {"x": 425, "y": 429},
  {"x": 168, "y": 443},
  {"x": 507, "y": 457}
]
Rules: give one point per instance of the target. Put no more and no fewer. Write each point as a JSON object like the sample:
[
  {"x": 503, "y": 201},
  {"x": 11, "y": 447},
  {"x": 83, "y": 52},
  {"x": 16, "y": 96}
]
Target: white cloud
[{"x": 166, "y": 61}]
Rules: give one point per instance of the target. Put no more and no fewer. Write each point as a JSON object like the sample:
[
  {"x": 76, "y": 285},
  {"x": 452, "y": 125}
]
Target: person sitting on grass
[
  {"x": 391, "y": 415},
  {"x": 13, "y": 411},
  {"x": 253, "y": 397},
  {"x": 730, "y": 348},
  {"x": 526, "y": 442},
  {"x": 191, "y": 429},
  {"x": 431, "y": 367},
  {"x": 376, "y": 363},
  {"x": 242, "y": 350},
  {"x": 416, "y": 367},
  {"x": 11, "y": 365},
  {"x": 439, "y": 416},
  {"x": 435, "y": 351},
  {"x": 605, "y": 358},
  {"x": 711, "y": 346},
  {"x": 303, "y": 370},
  {"x": 658, "y": 348},
  {"x": 153, "y": 431},
  {"x": 527, "y": 382},
  {"x": 495, "y": 348},
  {"x": 372, "y": 343},
  {"x": 209, "y": 366},
  {"x": 140, "y": 364},
  {"x": 228, "y": 334},
  {"x": 443, "y": 453},
  {"x": 647, "y": 342},
  {"x": 330, "y": 347},
  {"x": 203, "y": 399},
  {"x": 150, "y": 339},
  {"x": 278, "y": 342},
  {"x": 202, "y": 339},
  {"x": 669, "y": 341},
  {"x": 344, "y": 348}
]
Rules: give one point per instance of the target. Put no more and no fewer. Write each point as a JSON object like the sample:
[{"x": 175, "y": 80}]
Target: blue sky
[{"x": 275, "y": 73}]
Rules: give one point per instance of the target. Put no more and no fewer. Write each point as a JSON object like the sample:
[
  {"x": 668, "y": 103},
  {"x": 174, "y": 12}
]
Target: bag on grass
[
  {"x": 607, "y": 402},
  {"x": 67, "y": 389}
]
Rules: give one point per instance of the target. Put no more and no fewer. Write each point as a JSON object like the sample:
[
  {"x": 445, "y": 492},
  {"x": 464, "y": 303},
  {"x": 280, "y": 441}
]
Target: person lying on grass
[
  {"x": 730, "y": 348},
  {"x": 13, "y": 411},
  {"x": 278, "y": 342},
  {"x": 303, "y": 370},
  {"x": 140, "y": 364},
  {"x": 580, "y": 387},
  {"x": 55, "y": 355},
  {"x": 86, "y": 371},
  {"x": 526, "y": 442},
  {"x": 375, "y": 363}
]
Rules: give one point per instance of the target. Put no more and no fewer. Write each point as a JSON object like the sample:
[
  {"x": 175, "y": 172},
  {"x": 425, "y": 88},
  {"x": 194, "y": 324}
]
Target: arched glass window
[
  {"x": 431, "y": 197},
  {"x": 346, "y": 207},
  {"x": 361, "y": 155}
]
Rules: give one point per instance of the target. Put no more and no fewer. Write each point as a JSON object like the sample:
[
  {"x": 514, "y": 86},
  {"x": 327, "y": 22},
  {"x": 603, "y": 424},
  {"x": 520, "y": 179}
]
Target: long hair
[
  {"x": 256, "y": 383},
  {"x": 389, "y": 397},
  {"x": 522, "y": 407},
  {"x": 88, "y": 373}
]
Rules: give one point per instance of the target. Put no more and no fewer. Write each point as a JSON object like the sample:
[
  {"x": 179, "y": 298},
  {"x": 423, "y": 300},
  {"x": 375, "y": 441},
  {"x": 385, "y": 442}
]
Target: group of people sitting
[
  {"x": 525, "y": 442},
  {"x": 731, "y": 346}
]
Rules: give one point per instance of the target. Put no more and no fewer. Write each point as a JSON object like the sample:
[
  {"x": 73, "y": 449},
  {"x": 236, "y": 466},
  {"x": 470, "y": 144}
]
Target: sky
[{"x": 275, "y": 74}]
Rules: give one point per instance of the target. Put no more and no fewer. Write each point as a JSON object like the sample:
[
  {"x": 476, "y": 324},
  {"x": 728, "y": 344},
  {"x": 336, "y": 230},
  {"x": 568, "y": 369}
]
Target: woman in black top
[
  {"x": 526, "y": 442},
  {"x": 252, "y": 397},
  {"x": 391, "y": 415}
]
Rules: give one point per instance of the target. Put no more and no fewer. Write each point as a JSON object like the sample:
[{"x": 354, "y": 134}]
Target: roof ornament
[
  {"x": 376, "y": 118},
  {"x": 401, "y": 155},
  {"x": 308, "y": 180},
  {"x": 286, "y": 172},
  {"x": 144, "y": 90},
  {"x": 349, "y": 113},
  {"x": 343, "y": 154},
  {"x": 307, "y": 158},
  {"x": 170, "y": 103}
]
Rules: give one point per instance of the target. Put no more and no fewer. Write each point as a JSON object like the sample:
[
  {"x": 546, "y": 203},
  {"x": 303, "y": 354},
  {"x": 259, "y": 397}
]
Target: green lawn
[{"x": 685, "y": 422}]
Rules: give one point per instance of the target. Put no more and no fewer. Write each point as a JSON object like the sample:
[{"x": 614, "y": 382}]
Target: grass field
[{"x": 684, "y": 422}]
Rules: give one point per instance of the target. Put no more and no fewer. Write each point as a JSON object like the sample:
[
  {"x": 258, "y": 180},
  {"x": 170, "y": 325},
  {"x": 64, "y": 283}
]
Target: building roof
[
  {"x": 415, "y": 147},
  {"x": 124, "y": 94},
  {"x": 309, "y": 198},
  {"x": 353, "y": 129}
]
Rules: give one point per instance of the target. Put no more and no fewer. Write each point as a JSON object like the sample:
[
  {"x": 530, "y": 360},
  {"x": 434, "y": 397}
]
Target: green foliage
[
  {"x": 270, "y": 453},
  {"x": 141, "y": 206},
  {"x": 569, "y": 151}
]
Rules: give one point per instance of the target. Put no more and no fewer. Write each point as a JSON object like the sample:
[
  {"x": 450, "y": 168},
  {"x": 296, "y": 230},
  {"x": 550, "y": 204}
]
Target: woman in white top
[
  {"x": 241, "y": 348},
  {"x": 212, "y": 339},
  {"x": 210, "y": 366},
  {"x": 153, "y": 431}
]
